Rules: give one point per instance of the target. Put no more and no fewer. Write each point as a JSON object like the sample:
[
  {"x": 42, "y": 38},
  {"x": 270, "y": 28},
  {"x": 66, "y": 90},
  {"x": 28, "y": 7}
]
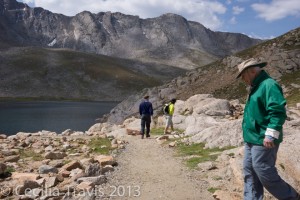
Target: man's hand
[{"x": 268, "y": 143}]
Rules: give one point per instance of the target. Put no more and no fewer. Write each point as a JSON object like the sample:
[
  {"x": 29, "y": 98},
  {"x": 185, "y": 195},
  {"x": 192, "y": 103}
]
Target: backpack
[{"x": 166, "y": 109}]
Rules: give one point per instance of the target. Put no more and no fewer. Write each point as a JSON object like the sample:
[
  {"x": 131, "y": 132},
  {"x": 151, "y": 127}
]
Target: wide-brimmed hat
[{"x": 252, "y": 62}]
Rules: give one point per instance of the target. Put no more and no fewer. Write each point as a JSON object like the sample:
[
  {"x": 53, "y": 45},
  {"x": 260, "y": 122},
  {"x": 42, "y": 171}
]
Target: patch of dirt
[{"x": 148, "y": 170}]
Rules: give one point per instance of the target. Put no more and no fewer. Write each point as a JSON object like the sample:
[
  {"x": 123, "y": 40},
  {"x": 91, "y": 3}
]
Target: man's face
[{"x": 247, "y": 76}]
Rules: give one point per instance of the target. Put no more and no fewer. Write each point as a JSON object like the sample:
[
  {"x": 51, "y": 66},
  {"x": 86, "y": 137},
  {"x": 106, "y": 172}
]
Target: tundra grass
[
  {"x": 160, "y": 131},
  {"x": 27, "y": 153},
  {"x": 100, "y": 146},
  {"x": 198, "y": 153}
]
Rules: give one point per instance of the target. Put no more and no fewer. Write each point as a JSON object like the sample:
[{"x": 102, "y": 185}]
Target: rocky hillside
[
  {"x": 169, "y": 39},
  {"x": 218, "y": 78},
  {"x": 33, "y": 72}
]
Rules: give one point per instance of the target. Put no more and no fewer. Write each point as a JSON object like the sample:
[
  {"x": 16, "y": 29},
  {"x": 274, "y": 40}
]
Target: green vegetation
[
  {"x": 198, "y": 153},
  {"x": 293, "y": 96},
  {"x": 10, "y": 169},
  {"x": 233, "y": 91},
  {"x": 157, "y": 131},
  {"x": 30, "y": 153},
  {"x": 282, "y": 166},
  {"x": 100, "y": 145},
  {"x": 217, "y": 178},
  {"x": 160, "y": 131},
  {"x": 212, "y": 189}
]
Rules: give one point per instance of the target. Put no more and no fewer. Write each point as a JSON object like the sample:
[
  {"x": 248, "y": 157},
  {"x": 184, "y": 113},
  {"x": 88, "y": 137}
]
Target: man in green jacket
[{"x": 264, "y": 116}]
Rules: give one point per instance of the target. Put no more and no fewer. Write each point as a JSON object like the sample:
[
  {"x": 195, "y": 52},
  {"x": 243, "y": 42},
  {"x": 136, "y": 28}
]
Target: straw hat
[{"x": 252, "y": 62}]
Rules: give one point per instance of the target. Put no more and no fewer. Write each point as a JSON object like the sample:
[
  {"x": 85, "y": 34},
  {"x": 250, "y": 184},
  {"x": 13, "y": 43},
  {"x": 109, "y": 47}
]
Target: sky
[{"x": 264, "y": 19}]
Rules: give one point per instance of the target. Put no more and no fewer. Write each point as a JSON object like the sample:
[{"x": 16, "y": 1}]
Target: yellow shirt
[{"x": 171, "y": 109}]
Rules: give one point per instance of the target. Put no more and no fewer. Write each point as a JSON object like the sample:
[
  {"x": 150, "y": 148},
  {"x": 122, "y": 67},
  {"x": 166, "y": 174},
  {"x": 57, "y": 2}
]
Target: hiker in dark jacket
[
  {"x": 146, "y": 111},
  {"x": 264, "y": 116}
]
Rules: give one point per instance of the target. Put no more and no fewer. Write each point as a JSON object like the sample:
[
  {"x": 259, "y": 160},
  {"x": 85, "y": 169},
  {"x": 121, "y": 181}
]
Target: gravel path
[{"x": 149, "y": 171}]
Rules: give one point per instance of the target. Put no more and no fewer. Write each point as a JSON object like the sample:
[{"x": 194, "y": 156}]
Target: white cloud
[
  {"x": 277, "y": 9},
  {"x": 229, "y": 2},
  {"x": 237, "y": 10},
  {"x": 255, "y": 35},
  {"x": 232, "y": 20},
  {"x": 204, "y": 11}
]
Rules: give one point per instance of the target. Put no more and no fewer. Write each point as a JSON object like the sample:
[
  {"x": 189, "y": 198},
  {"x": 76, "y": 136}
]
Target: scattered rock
[
  {"x": 72, "y": 165},
  {"x": 93, "y": 170},
  {"x": 14, "y": 158},
  {"x": 25, "y": 176},
  {"x": 45, "y": 169},
  {"x": 105, "y": 160},
  {"x": 95, "y": 180},
  {"x": 55, "y": 155},
  {"x": 132, "y": 132},
  {"x": 85, "y": 186}
]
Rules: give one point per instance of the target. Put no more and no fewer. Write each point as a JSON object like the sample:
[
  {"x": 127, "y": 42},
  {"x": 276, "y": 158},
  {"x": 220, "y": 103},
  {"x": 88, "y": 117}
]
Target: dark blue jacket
[{"x": 146, "y": 108}]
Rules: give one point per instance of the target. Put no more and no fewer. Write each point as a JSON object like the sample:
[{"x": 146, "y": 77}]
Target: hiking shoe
[
  {"x": 142, "y": 137},
  {"x": 147, "y": 136}
]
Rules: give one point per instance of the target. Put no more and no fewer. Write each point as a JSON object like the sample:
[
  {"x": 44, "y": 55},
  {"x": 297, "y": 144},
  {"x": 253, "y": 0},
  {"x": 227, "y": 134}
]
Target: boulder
[
  {"x": 224, "y": 134},
  {"x": 2, "y": 168},
  {"x": 3, "y": 136},
  {"x": 93, "y": 170},
  {"x": 72, "y": 165},
  {"x": 45, "y": 169},
  {"x": 14, "y": 158},
  {"x": 85, "y": 186},
  {"x": 25, "y": 176},
  {"x": 105, "y": 160},
  {"x": 55, "y": 155}
]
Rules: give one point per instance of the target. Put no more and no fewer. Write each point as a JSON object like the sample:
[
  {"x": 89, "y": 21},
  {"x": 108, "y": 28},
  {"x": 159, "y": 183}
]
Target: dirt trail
[{"x": 148, "y": 171}]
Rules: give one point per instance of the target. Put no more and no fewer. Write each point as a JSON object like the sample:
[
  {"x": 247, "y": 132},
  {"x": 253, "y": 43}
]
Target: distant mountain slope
[
  {"x": 33, "y": 72},
  {"x": 218, "y": 78},
  {"x": 169, "y": 39}
]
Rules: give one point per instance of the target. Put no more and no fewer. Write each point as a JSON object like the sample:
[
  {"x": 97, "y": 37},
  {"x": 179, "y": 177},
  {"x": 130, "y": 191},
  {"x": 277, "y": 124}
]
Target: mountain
[
  {"x": 169, "y": 39},
  {"x": 218, "y": 78}
]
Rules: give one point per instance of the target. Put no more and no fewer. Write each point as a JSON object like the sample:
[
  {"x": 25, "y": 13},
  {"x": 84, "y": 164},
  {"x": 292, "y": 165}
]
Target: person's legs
[
  {"x": 264, "y": 160},
  {"x": 167, "y": 117},
  {"x": 148, "y": 122},
  {"x": 143, "y": 123},
  {"x": 253, "y": 189}
]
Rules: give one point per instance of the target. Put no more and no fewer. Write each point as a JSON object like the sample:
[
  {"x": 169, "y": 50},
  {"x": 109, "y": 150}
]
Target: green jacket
[{"x": 265, "y": 108}]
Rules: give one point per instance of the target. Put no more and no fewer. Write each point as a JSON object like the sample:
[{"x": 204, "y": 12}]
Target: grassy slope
[{"x": 37, "y": 72}]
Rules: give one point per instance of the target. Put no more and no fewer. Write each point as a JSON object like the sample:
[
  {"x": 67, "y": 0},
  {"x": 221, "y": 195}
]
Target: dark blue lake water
[{"x": 54, "y": 116}]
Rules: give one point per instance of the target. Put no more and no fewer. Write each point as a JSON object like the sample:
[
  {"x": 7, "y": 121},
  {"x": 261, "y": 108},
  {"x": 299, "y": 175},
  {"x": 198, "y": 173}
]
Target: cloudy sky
[{"x": 256, "y": 18}]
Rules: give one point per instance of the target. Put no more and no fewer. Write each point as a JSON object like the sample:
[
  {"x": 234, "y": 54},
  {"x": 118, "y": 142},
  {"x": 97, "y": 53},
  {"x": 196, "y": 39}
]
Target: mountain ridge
[{"x": 169, "y": 39}]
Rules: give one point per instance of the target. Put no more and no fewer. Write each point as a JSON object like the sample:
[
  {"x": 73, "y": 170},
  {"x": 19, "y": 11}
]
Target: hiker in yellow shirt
[{"x": 169, "y": 115}]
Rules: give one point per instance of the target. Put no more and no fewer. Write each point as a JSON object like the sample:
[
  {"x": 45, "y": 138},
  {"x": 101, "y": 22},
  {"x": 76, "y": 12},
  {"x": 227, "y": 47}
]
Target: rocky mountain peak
[
  {"x": 169, "y": 39},
  {"x": 12, "y": 5}
]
